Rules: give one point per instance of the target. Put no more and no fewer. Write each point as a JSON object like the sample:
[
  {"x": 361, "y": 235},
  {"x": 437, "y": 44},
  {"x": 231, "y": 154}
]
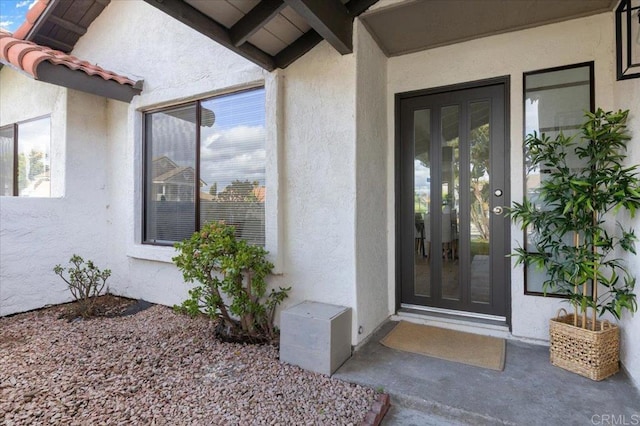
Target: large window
[
  {"x": 555, "y": 101},
  {"x": 205, "y": 161},
  {"x": 25, "y": 150}
]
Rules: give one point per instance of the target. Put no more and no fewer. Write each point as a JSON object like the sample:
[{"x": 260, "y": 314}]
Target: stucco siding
[
  {"x": 372, "y": 293},
  {"x": 184, "y": 66},
  {"x": 38, "y": 233},
  {"x": 319, "y": 183},
  {"x": 310, "y": 151},
  {"x": 628, "y": 97},
  {"x": 120, "y": 212}
]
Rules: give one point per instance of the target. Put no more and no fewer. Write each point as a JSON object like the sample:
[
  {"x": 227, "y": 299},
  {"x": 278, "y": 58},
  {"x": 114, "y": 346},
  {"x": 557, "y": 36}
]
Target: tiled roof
[
  {"x": 27, "y": 56},
  {"x": 59, "y": 24},
  {"x": 32, "y": 17}
]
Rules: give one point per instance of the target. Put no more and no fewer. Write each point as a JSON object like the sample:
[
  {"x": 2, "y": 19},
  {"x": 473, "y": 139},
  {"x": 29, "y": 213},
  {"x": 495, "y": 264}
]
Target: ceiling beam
[
  {"x": 53, "y": 43},
  {"x": 356, "y": 7},
  {"x": 295, "y": 50},
  {"x": 257, "y": 18},
  {"x": 311, "y": 38},
  {"x": 330, "y": 19},
  {"x": 200, "y": 22},
  {"x": 67, "y": 25}
]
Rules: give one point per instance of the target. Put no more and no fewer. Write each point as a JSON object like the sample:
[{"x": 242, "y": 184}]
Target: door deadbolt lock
[
  {"x": 498, "y": 210},
  {"x": 498, "y": 192}
]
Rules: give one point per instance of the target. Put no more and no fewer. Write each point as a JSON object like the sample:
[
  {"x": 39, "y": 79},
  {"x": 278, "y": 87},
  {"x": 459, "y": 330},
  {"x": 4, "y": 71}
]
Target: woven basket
[{"x": 593, "y": 354}]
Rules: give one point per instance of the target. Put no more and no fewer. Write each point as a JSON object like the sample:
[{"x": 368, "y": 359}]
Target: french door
[{"x": 452, "y": 190}]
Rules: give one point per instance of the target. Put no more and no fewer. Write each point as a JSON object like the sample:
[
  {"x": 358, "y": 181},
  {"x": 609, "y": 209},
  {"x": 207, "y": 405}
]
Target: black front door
[{"x": 452, "y": 172}]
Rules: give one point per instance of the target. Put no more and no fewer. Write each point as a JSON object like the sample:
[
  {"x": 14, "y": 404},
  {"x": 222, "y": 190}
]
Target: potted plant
[{"x": 572, "y": 240}]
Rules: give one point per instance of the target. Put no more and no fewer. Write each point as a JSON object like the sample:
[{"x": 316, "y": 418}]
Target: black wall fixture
[{"x": 628, "y": 39}]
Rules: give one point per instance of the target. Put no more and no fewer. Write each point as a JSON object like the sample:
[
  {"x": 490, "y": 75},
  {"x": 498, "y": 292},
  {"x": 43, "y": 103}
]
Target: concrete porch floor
[{"x": 530, "y": 391}]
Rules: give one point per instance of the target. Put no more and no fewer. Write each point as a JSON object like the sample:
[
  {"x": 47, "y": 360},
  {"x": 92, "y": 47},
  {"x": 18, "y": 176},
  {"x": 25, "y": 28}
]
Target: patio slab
[{"x": 530, "y": 391}]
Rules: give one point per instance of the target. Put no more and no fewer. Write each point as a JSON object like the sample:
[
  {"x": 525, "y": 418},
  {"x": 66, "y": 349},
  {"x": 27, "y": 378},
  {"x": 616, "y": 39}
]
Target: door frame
[{"x": 505, "y": 81}]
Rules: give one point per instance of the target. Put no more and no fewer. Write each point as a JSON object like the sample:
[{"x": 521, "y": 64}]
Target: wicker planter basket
[{"x": 593, "y": 354}]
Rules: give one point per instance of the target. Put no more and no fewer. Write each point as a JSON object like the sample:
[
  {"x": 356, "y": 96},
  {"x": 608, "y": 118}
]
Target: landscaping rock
[{"x": 157, "y": 367}]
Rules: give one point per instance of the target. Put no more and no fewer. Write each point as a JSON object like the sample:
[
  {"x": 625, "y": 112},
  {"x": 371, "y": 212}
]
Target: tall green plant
[
  {"x": 571, "y": 238},
  {"x": 232, "y": 282}
]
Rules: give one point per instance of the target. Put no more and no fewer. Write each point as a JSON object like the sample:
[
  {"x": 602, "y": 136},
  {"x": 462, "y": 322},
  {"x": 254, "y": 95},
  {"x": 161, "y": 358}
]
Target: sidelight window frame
[{"x": 564, "y": 121}]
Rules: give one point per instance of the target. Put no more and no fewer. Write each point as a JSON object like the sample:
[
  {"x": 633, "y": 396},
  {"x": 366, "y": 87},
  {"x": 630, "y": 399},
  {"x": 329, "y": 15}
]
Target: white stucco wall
[
  {"x": 310, "y": 156},
  {"x": 371, "y": 215},
  {"x": 319, "y": 179},
  {"x": 510, "y": 54},
  {"x": 38, "y": 233},
  {"x": 627, "y": 96},
  {"x": 184, "y": 66},
  {"x": 310, "y": 151}
]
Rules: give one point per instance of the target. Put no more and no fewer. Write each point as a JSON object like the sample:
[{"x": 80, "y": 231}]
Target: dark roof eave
[{"x": 78, "y": 80}]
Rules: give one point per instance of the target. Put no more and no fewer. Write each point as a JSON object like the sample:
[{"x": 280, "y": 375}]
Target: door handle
[{"x": 498, "y": 210}]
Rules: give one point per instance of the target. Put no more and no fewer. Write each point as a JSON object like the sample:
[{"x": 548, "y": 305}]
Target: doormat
[{"x": 466, "y": 348}]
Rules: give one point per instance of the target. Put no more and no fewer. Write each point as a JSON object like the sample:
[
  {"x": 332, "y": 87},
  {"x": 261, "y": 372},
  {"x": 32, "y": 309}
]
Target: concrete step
[{"x": 408, "y": 410}]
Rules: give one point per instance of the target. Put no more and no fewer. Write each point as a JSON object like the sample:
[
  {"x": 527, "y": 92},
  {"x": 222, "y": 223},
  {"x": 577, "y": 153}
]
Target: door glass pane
[
  {"x": 449, "y": 178},
  {"x": 6, "y": 161},
  {"x": 422, "y": 200},
  {"x": 479, "y": 137}
]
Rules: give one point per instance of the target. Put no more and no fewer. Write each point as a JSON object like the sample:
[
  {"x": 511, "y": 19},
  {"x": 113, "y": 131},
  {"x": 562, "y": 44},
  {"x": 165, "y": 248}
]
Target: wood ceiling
[
  {"x": 270, "y": 33},
  {"x": 63, "y": 22}
]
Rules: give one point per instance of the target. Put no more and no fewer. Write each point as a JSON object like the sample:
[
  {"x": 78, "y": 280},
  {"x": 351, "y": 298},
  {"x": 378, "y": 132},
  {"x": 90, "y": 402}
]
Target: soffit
[
  {"x": 278, "y": 33},
  {"x": 270, "y": 33},
  {"x": 59, "y": 23},
  {"x": 425, "y": 24}
]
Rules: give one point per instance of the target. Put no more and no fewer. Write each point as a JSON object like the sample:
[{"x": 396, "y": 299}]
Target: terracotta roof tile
[
  {"x": 32, "y": 17},
  {"x": 26, "y": 56}
]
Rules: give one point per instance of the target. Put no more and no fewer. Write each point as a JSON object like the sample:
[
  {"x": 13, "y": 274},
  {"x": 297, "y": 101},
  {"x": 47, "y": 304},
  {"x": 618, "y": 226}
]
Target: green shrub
[
  {"x": 231, "y": 274},
  {"x": 85, "y": 281}
]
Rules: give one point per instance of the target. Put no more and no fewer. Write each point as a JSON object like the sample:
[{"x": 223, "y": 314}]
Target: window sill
[
  {"x": 153, "y": 253},
  {"x": 164, "y": 254}
]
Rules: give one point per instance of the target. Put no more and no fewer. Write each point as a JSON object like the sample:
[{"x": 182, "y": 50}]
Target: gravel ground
[{"x": 156, "y": 367}]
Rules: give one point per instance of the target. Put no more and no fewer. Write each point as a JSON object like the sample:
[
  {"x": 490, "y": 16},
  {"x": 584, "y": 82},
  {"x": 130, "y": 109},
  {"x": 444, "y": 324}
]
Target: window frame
[
  {"x": 14, "y": 163},
  {"x": 146, "y": 145},
  {"x": 591, "y": 66},
  {"x": 16, "y": 141}
]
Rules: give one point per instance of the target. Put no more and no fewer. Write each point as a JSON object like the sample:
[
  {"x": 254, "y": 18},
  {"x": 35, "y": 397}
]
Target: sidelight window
[{"x": 555, "y": 101}]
